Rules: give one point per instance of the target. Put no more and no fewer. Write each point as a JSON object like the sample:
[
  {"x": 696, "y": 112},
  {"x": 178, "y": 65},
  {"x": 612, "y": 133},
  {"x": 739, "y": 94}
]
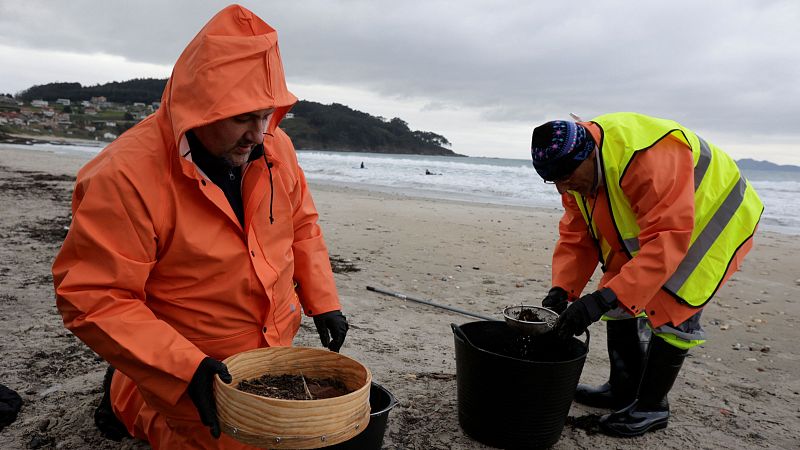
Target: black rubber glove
[
  {"x": 584, "y": 312},
  {"x": 332, "y": 328},
  {"x": 556, "y": 300},
  {"x": 201, "y": 391},
  {"x": 10, "y": 404}
]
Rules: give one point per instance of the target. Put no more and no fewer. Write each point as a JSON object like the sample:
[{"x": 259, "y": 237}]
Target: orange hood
[{"x": 233, "y": 66}]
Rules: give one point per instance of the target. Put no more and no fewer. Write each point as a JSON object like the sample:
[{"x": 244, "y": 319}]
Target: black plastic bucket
[
  {"x": 381, "y": 401},
  {"x": 513, "y": 399}
]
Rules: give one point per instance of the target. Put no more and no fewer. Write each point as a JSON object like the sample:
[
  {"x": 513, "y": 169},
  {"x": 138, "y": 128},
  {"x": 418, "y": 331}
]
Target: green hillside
[
  {"x": 145, "y": 90},
  {"x": 312, "y": 125}
]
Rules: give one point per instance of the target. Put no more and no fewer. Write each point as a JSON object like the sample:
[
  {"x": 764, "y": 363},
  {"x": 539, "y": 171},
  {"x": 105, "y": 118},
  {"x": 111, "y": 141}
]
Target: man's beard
[
  {"x": 229, "y": 158},
  {"x": 228, "y": 161}
]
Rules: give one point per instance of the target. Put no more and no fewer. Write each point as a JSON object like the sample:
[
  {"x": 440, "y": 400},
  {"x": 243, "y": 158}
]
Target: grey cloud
[{"x": 731, "y": 68}]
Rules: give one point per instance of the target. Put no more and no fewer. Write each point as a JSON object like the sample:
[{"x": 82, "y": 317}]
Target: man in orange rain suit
[
  {"x": 194, "y": 237},
  {"x": 669, "y": 217}
]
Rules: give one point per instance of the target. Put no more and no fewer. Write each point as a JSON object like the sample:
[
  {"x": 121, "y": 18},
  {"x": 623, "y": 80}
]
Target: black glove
[
  {"x": 334, "y": 325},
  {"x": 556, "y": 300},
  {"x": 201, "y": 391},
  {"x": 584, "y": 312},
  {"x": 10, "y": 404}
]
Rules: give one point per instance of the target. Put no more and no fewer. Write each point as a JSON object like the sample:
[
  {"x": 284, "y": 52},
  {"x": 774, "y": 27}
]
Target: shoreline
[{"x": 33, "y": 139}]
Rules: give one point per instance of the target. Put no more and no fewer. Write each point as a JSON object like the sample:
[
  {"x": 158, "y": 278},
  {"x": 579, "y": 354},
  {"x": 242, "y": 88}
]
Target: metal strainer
[{"x": 548, "y": 316}]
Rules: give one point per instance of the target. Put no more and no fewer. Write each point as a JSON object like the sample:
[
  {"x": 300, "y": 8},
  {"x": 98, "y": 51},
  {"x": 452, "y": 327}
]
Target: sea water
[
  {"x": 508, "y": 181},
  {"x": 486, "y": 180}
]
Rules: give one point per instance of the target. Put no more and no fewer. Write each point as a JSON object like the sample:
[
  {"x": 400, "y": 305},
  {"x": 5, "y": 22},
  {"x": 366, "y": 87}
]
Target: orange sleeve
[
  {"x": 659, "y": 185},
  {"x": 575, "y": 256},
  {"x": 100, "y": 276},
  {"x": 312, "y": 266}
]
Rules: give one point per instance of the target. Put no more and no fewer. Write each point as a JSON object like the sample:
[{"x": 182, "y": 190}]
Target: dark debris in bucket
[
  {"x": 498, "y": 338},
  {"x": 589, "y": 423},
  {"x": 521, "y": 347},
  {"x": 531, "y": 348}
]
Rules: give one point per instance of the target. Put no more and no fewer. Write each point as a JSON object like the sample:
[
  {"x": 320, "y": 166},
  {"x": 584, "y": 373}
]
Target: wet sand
[{"x": 740, "y": 389}]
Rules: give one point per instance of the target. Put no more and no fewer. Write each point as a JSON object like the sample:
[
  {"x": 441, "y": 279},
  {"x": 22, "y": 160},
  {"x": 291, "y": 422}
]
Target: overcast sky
[{"x": 481, "y": 73}]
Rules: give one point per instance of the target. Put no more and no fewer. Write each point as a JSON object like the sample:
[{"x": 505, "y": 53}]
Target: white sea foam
[
  {"x": 489, "y": 180},
  {"x": 60, "y": 148}
]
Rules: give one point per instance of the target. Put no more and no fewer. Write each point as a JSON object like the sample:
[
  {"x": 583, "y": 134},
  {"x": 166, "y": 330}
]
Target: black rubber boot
[
  {"x": 105, "y": 419},
  {"x": 651, "y": 410},
  {"x": 627, "y": 341}
]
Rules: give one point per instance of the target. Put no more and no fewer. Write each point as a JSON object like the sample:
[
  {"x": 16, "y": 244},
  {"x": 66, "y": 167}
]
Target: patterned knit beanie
[{"x": 558, "y": 147}]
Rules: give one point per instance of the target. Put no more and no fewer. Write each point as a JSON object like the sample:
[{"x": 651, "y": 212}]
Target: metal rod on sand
[{"x": 429, "y": 303}]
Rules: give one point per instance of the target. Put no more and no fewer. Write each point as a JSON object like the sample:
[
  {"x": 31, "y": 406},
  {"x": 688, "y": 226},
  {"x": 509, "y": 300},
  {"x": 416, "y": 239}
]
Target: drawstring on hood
[{"x": 271, "y": 188}]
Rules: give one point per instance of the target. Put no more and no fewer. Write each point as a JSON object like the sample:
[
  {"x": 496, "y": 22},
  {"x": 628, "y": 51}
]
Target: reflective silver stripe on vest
[
  {"x": 618, "y": 313},
  {"x": 631, "y": 244},
  {"x": 697, "y": 335},
  {"x": 689, "y": 330},
  {"x": 707, "y": 237},
  {"x": 702, "y": 163}
]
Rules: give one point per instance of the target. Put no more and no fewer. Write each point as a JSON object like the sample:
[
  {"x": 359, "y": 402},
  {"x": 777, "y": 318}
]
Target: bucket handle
[
  {"x": 587, "y": 339},
  {"x": 392, "y": 401},
  {"x": 460, "y": 333}
]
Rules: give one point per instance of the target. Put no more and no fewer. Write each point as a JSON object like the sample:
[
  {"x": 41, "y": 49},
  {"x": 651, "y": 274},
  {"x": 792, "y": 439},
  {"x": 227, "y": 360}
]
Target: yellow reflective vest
[{"x": 727, "y": 208}]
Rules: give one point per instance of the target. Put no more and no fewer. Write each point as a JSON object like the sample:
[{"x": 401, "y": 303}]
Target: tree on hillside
[
  {"x": 339, "y": 127},
  {"x": 145, "y": 90},
  {"x": 432, "y": 138}
]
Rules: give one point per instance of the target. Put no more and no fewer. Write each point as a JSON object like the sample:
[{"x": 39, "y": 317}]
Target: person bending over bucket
[
  {"x": 194, "y": 237},
  {"x": 669, "y": 217}
]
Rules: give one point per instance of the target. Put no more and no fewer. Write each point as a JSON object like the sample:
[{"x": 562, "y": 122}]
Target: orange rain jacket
[
  {"x": 156, "y": 271},
  {"x": 660, "y": 183}
]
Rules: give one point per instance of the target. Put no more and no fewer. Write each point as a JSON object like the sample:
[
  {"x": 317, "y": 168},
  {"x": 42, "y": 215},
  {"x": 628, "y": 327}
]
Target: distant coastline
[{"x": 752, "y": 164}]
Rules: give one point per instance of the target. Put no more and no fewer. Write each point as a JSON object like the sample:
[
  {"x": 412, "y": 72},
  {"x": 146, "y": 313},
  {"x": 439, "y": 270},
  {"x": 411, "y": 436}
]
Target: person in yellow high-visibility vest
[{"x": 669, "y": 217}]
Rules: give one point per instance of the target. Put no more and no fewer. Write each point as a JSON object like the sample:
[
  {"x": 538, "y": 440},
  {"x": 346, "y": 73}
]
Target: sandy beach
[{"x": 739, "y": 390}]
